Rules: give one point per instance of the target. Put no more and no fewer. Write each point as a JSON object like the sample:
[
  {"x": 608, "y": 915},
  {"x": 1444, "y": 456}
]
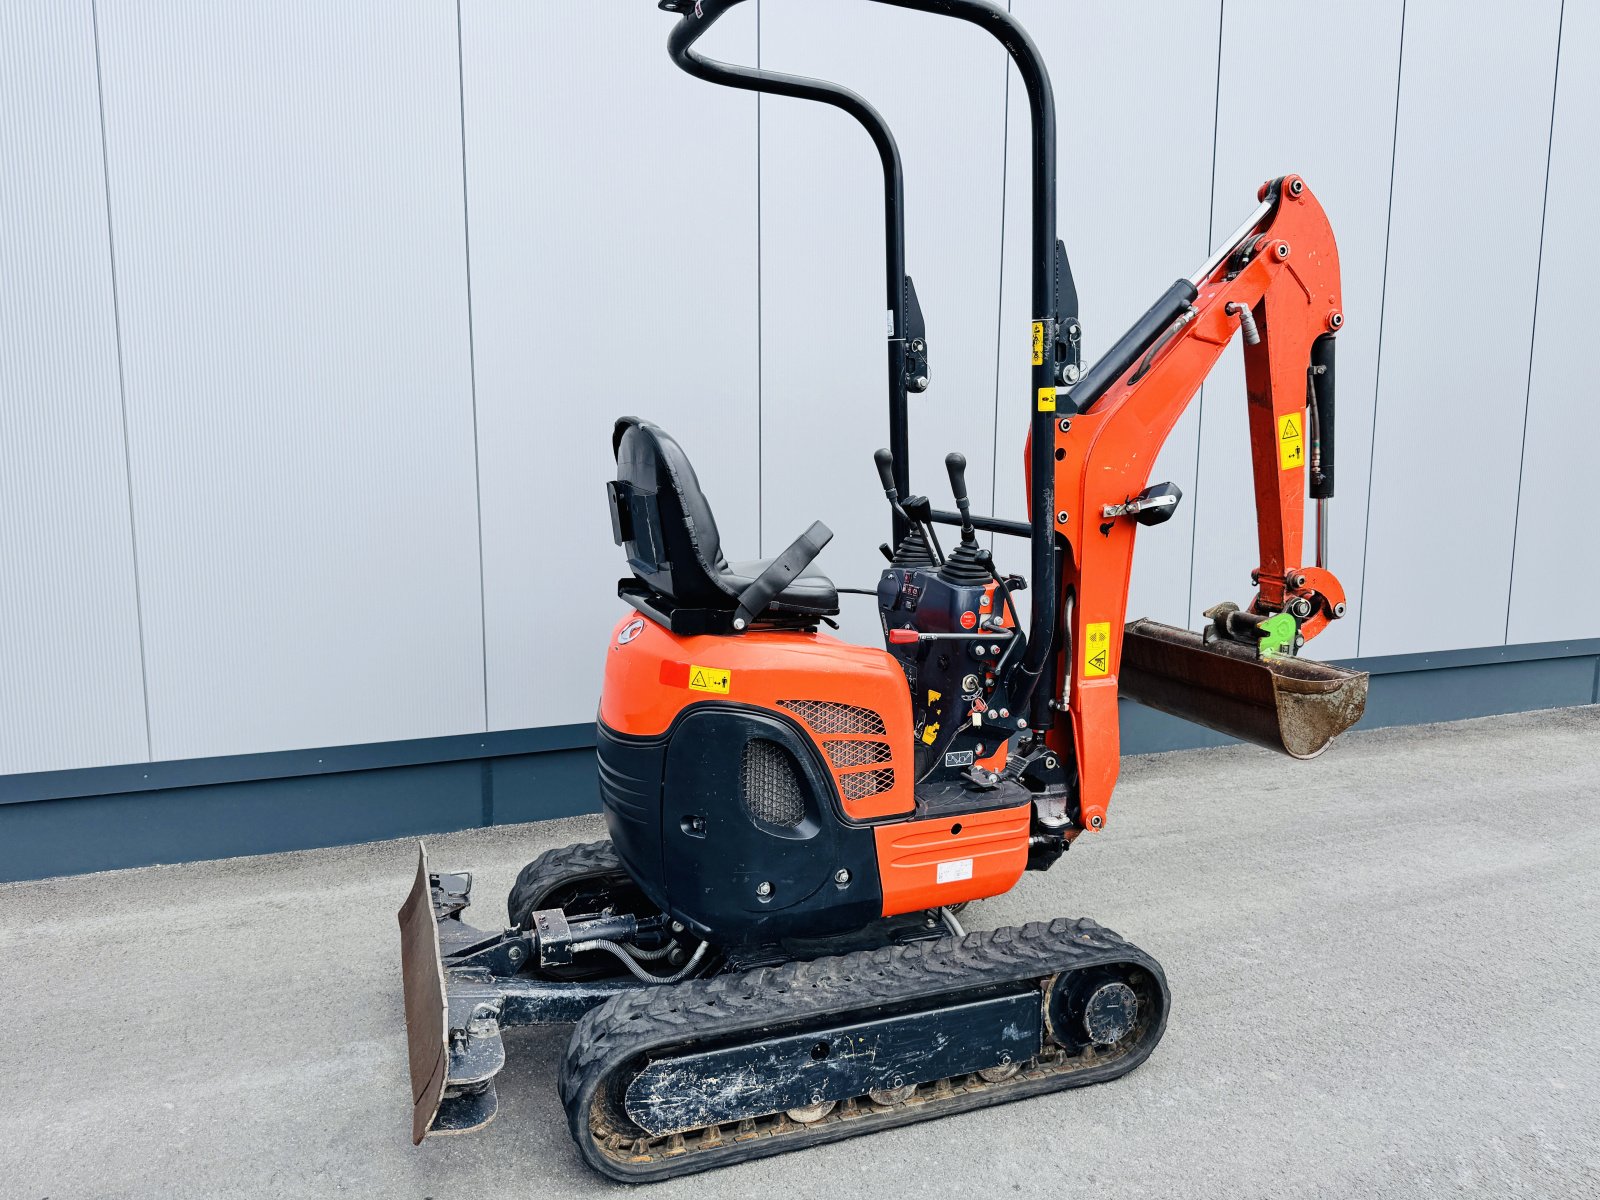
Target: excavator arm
[{"x": 1276, "y": 285}]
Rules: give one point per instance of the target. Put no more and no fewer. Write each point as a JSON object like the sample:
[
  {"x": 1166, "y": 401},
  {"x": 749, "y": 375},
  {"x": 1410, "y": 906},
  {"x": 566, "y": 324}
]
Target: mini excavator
[{"x": 766, "y": 954}]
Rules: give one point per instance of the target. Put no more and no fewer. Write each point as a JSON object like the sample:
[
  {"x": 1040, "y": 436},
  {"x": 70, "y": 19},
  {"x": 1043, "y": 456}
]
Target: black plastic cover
[{"x": 676, "y": 810}]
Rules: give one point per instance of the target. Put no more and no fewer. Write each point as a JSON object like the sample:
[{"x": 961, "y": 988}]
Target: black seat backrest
[{"x": 661, "y": 518}]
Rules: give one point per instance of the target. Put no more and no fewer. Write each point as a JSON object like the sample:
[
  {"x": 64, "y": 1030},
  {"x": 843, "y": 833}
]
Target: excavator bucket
[{"x": 1293, "y": 705}]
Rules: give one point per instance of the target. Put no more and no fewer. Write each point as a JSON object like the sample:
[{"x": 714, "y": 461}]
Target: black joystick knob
[
  {"x": 913, "y": 550},
  {"x": 956, "y": 464},
  {"x": 885, "y": 462},
  {"x": 966, "y": 566}
]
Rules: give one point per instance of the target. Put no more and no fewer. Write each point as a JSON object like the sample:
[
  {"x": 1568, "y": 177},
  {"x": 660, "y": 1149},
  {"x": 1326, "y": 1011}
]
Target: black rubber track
[
  {"x": 613, "y": 1040},
  {"x": 558, "y": 868}
]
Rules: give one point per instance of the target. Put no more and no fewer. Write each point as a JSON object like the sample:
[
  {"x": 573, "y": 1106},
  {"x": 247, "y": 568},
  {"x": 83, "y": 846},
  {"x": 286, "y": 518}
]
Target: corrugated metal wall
[{"x": 314, "y": 319}]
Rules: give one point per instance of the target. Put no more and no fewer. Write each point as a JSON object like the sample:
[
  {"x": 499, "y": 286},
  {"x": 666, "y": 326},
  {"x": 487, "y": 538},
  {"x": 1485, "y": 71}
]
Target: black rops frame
[{"x": 1051, "y": 278}]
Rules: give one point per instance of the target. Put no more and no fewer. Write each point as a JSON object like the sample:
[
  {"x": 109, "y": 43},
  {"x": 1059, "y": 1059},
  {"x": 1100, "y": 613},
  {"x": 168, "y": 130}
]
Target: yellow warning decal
[
  {"x": 1291, "y": 446},
  {"x": 1038, "y": 343},
  {"x": 1047, "y": 399},
  {"x": 1096, "y": 649},
  {"x": 930, "y": 734},
  {"x": 710, "y": 679}
]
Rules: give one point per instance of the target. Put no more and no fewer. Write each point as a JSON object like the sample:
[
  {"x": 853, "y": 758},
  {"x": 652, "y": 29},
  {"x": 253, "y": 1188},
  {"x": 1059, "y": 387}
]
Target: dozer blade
[
  {"x": 427, "y": 1012},
  {"x": 1294, "y": 705},
  {"x": 461, "y": 986},
  {"x": 452, "y": 1027}
]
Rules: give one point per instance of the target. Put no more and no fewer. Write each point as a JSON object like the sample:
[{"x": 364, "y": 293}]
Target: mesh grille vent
[
  {"x": 771, "y": 785},
  {"x": 860, "y": 784},
  {"x": 856, "y": 754},
  {"x": 824, "y": 716}
]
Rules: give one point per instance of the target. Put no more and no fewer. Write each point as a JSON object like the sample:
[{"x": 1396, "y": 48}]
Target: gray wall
[{"x": 314, "y": 319}]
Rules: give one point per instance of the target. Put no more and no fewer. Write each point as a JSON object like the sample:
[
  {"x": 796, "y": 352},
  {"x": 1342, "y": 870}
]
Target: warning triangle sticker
[
  {"x": 1290, "y": 430},
  {"x": 1098, "y": 662},
  {"x": 715, "y": 680}
]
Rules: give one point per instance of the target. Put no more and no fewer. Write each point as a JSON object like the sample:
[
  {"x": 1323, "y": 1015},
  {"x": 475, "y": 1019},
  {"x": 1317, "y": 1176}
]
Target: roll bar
[{"x": 1050, "y": 274}]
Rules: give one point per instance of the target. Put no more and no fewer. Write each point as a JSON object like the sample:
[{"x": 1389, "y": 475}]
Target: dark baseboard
[{"x": 103, "y": 818}]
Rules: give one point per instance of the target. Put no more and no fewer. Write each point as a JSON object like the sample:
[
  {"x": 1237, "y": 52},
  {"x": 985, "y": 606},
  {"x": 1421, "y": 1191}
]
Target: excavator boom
[{"x": 1275, "y": 284}]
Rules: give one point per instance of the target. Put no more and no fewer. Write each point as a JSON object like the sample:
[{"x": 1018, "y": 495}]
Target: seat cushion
[{"x": 811, "y": 595}]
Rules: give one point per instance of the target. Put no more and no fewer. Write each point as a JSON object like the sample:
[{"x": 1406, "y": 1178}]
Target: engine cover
[{"x": 738, "y": 776}]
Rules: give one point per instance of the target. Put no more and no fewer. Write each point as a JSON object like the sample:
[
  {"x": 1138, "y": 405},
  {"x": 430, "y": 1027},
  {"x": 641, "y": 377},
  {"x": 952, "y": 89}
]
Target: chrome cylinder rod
[{"x": 1232, "y": 243}]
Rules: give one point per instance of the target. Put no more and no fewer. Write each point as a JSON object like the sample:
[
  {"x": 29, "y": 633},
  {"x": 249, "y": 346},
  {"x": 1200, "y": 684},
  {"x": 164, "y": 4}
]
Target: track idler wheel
[{"x": 1099, "y": 1009}]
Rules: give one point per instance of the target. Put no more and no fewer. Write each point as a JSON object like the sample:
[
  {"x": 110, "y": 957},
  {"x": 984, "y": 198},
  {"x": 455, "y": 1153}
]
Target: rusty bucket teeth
[{"x": 1293, "y": 705}]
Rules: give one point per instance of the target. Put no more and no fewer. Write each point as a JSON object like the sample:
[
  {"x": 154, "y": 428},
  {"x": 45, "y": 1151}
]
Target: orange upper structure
[{"x": 852, "y": 701}]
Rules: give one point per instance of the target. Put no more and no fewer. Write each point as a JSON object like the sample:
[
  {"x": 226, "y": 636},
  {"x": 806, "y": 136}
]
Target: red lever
[{"x": 903, "y": 637}]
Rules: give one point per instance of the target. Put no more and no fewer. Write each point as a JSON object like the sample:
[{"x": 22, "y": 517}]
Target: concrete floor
[{"x": 1384, "y": 967}]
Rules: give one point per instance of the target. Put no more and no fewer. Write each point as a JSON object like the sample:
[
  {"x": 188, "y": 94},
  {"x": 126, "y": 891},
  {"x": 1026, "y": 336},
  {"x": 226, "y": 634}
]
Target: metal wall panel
[
  {"x": 1556, "y": 568},
  {"x": 1135, "y": 85},
  {"x": 70, "y": 688},
  {"x": 1470, "y": 154},
  {"x": 286, "y": 195},
  {"x": 1334, "y": 125},
  {"x": 940, "y": 84},
  {"x": 311, "y": 278},
  {"x": 613, "y": 225}
]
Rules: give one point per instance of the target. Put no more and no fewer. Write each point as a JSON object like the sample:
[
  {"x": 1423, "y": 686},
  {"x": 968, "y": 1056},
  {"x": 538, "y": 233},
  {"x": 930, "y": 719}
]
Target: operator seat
[{"x": 663, "y": 521}]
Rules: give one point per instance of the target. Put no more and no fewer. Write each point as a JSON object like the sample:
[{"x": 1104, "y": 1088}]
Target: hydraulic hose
[{"x": 639, "y": 972}]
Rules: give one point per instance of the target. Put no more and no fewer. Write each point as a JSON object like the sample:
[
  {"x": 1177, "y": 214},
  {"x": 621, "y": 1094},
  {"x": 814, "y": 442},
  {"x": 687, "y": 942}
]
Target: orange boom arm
[{"x": 1281, "y": 288}]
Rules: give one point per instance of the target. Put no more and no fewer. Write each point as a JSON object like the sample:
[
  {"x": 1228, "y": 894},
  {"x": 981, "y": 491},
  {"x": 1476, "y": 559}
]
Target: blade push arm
[{"x": 1277, "y": 283}]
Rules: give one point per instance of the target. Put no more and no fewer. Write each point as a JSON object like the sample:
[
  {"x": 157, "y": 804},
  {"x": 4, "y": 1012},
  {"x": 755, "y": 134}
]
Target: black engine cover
[{"x": 731, "y": 825}]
